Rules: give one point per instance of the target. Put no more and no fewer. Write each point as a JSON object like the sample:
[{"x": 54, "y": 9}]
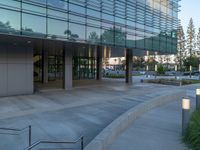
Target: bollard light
[
  {"x": 147, "y": 53},
  {"x": 175, "y": 71},
  {"x": 185, "y": 103},
  {"x": 199, "y": 71},
  {"x": 190, "y": 71},
  {"x": 147, "y": 68},
  {"x": 197, "y": 98},
  {"x": 190, "y": 68},
  {"x": 198, "y": 92},
  {"x": 156, "y": 68},
  {"x": 176, "y": 68},
  {"x": 199, "y": 67},
  {"x": 185, "y": 114}
]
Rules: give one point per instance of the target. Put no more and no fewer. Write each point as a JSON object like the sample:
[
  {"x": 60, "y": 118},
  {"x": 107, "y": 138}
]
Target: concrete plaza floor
[{"x": 61, "y": 115}]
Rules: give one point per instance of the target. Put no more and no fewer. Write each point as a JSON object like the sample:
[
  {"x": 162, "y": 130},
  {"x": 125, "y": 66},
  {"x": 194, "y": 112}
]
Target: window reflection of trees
[
  {"x": 71, "y": 36},
  {"x": 93, "y": 37},
  {"x": 7, "y": 26},
  {"x": 111, "y": 36}
]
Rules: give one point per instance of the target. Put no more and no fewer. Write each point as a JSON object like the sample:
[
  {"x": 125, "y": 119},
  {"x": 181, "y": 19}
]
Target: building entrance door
[
  {"x": 48, "y": 66},
  {"x": 55, "y": 67},
  {"x": 84, "y": 68}
]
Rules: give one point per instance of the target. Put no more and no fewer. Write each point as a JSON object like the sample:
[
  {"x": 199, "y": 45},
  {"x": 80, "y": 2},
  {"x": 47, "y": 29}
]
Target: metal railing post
[
  {"x": 82, "y": 143},
  {"x": 30, "y": 135}
]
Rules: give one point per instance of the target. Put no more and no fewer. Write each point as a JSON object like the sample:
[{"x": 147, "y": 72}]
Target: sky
[{"x": 190, "y": 8}]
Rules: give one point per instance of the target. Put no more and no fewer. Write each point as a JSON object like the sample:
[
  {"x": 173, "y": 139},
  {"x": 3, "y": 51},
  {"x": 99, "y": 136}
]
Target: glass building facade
[{"x": 134, "y": 24}]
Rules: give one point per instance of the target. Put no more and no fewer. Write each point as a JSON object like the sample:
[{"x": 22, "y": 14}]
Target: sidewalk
[
  {"x": 62, "y": 115},
  {"x": 159, "y": 129}
]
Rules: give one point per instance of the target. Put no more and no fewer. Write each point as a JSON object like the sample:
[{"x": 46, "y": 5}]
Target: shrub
[
  {"x": 192, "y": 135},
  {"x": 161, "y": 70},
  {"x": 114, "y": 76}
]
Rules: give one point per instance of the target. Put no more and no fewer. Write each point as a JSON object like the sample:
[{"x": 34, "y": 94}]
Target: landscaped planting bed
[
  {"x": 174, "y": 82},
  {"x": 192, "y": 134}
]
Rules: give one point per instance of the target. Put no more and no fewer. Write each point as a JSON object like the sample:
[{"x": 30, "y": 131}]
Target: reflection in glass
[
  {"x": 57, "y": 28},
  {"x": 33, "y": 25},
  {"x": 141, "y": 24},
  {"x": 9, "y": 21},
  {"x": 78, "y": 30},
  {"x": 93, "y": 35}
]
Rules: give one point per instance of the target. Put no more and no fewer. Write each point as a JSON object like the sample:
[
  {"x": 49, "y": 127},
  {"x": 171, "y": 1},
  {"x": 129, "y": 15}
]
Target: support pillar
[
  {"x": 99, "y": 63},
  {"x": 68, "y": 79},
  {"x": 129, "y": 58},
  {"x": 44, "y": 66}
]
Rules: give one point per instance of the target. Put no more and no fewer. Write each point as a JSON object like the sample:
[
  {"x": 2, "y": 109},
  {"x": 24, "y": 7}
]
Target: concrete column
[
  {"x": 68, "y": 80},
  {"x": 99, "y": 63},
  {"x": 44, "y": 66},
  {"x": 16, "y": 69},
  {"x": 129, "y": 58}
]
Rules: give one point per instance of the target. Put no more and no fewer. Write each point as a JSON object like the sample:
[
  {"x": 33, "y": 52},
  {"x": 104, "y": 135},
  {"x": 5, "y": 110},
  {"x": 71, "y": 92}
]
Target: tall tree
[
  {"x": 198, "y": 40},
  {"x": 191, "y": 40},
  {"x": 181, "y": 46}
]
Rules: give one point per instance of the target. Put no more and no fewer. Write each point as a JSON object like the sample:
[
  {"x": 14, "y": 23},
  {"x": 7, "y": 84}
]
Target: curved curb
[{"x": 104, "y": 139}]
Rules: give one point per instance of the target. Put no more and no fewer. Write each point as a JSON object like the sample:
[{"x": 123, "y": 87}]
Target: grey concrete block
[
  {"x": 29, "y": 79},
  {"x": 3, "y": 79},
  {"x": 17, "y": 54},
  {"x": 29, "y": 55},
  {"x": 17, "y": 72},
  {"x": 3, "y": 55},
  {"x": 16, "y": 79},
  {"x": 68, "y": 70}
]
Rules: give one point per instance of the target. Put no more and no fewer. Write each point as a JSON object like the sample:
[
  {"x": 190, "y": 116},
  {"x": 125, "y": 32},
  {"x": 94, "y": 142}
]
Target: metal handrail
[
  {"x": 55, "y": 142},
  {"x": 19, "y": 130}
]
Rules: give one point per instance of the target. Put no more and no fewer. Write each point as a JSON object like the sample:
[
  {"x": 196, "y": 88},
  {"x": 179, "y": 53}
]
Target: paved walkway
[
  {"x": 159, "y": 129},
  {"x": 61, "y": 115},
  {"x": 65, "y": 115}
]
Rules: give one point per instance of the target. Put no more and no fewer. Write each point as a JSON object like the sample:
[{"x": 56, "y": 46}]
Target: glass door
[
  {"x": 55, "y": 67},
  {"x": 84, "y": 68}
]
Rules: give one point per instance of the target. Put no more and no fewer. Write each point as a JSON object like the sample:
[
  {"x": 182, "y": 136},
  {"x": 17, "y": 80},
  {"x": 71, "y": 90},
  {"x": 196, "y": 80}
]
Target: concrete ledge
[{"x": 111, "y": 132}]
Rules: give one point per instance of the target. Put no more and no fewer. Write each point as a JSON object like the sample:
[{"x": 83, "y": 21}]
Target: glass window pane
[
  {"x": 9, "y": 21},
  {"x": 76, "y": 32},
  {"x": 107, "y": 36},
  {"x": 33, "y": 25},
  {"x": 76, "y": 8},
  {"x": 57, "y": 28},
  {"x": 130, "y": 41},
  {"x": 57, "y": 14},
  {"x": 93, "y": 34},
  {"x": 58, "y": 4},
  {"x": 33, "y": 9},
  {"x": 75, "y": 18},
  {"x": 10, "y": 4}
]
